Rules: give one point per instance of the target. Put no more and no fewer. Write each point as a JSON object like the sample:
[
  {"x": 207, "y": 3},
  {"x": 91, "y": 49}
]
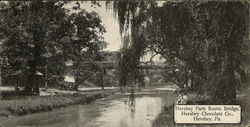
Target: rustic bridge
[{"x": 112, "y": 65}]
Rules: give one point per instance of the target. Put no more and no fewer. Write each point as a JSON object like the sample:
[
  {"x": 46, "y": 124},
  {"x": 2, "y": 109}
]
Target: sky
[{"x": 112, "y": 36}]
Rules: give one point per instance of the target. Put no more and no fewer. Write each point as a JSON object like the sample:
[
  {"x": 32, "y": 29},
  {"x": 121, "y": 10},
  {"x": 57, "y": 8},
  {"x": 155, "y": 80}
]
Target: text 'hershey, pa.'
[{"x": 211, "y": 114}]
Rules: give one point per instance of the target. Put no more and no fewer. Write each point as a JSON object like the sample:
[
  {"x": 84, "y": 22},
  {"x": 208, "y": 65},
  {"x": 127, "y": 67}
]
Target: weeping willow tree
[
  {"x": 133, "y": 18},
  {"x": 207, "y": 39}
]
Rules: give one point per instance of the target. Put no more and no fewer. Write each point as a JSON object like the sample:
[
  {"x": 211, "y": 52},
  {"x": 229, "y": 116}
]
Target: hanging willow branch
[{"x": 132, "y": 17}]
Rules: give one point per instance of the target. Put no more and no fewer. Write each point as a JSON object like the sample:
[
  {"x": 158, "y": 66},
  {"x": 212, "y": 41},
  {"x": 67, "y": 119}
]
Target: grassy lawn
[
  {"x": 166, "y": 117},
  {"x": 21, "y": 105}
]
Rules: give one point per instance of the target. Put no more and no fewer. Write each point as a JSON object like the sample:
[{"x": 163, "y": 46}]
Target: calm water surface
[{"x": 109, "y": 112}]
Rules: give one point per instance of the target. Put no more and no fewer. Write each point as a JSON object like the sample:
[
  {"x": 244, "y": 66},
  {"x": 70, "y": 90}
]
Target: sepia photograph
[{"x": 125, "y": 63}]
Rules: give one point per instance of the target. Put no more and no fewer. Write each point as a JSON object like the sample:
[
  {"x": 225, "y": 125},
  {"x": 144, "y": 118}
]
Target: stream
[{"x": 118, "y": 111}]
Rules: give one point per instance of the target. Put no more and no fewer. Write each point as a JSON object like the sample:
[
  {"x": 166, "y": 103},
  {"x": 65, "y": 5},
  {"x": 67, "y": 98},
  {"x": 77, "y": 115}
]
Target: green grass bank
[{"x": 22, "y": 105}]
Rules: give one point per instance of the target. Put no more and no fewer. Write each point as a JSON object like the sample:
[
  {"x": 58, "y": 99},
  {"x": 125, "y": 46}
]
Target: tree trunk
[
  {"x": 28, "y": 85},
  {"x": 230, "y": 90},
  {"x": 101, "y": 78},
  {"x": 225, "y": 90},
  {"x": 75, "y": 86},
  {"x": 46, "y": 77},
  {"x": 0, "y": 81},
  {"x": 28, "y": 88},
  {"x": 16, "y": 78}
]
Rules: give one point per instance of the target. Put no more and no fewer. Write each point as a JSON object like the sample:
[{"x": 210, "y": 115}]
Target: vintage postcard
[{"x": 125, "y": 63}]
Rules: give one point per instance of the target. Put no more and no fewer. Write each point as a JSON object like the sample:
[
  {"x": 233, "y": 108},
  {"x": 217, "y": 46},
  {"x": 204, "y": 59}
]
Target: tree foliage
[
  {"x": 132, "y": 17},
  {"x": 38, "y": 34},
  {"x": 206, "y": 42}
]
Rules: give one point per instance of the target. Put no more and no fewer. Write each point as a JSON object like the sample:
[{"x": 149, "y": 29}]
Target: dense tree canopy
[
  {"x": 206, "y": 42},
  {"x": 37, "y": 34}
]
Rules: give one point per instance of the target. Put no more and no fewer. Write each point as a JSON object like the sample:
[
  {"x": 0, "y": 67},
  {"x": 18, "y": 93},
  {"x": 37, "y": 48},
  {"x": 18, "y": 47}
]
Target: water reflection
[
  {"x": 130, "y": 112},
  {"x": 132, "y": 101}
]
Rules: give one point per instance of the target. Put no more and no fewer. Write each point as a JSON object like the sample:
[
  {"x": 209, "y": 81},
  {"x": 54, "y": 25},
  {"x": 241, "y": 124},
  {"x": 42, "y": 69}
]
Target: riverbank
[
  {"x": 166, "y": 117},
  {"x": 22, "y": 105},
  {"x": 118, "y": 110}
]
